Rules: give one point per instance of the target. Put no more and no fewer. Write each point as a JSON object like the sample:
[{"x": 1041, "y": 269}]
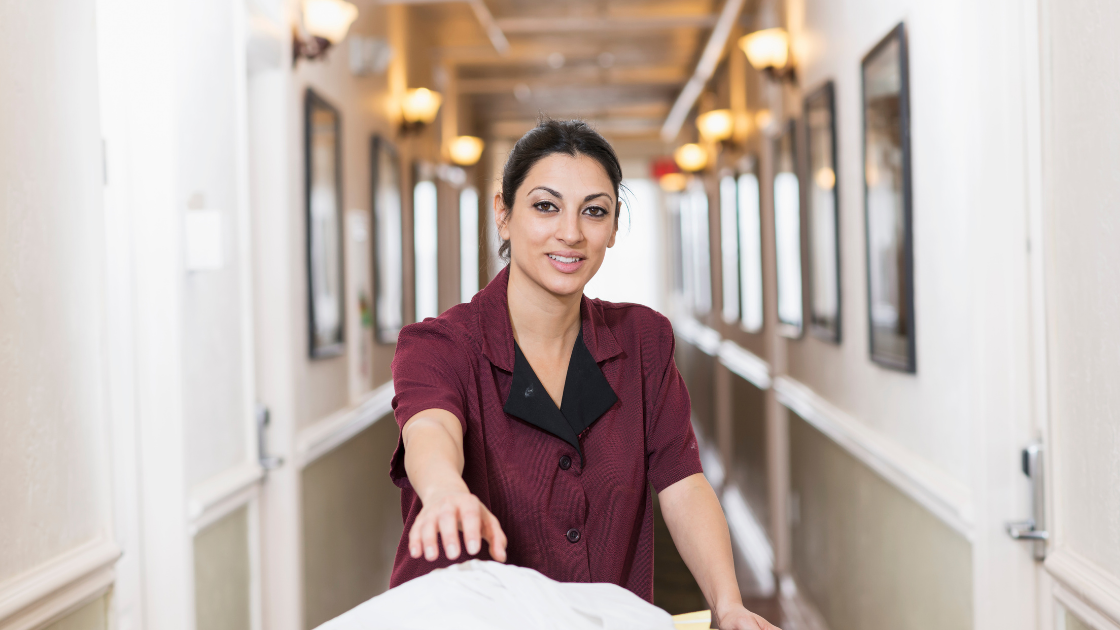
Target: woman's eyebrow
[
  {"x": 549, "y": 191},
  {"x": 594, "y": 195}
]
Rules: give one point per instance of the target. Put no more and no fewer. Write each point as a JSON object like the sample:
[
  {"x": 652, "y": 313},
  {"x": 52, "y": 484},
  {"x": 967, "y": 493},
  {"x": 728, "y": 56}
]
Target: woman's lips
[{"x": 565, "y": 267}]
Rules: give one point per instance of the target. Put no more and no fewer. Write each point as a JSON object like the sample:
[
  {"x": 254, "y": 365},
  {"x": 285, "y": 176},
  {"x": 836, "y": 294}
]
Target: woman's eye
[
  {"x": 544, "y": 206},
  {"x": 596, "y": 211}
]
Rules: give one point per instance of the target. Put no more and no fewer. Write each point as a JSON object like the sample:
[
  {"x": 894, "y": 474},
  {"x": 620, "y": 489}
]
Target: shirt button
[
  {"x": 565, "y": 463},
  {"x": 572, "y": 535}
]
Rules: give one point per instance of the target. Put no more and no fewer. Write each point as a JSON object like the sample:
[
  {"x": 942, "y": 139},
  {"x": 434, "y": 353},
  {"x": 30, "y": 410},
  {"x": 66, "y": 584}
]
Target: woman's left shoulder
[{"x": 635, "y": 321}]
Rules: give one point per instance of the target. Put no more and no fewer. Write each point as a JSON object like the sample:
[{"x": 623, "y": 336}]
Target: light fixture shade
[
  {"x": 764, "y": 119},
  {"x": 768, "y": 48},
  {"x": 465, "y": 150},
  {"x": 691, "y": 157},
  {"x": 420, "y": 105},
  {"x": 329, "y": 19},
  {"x": 716, "y": 125},
  {"x": 673, "y": 182}
]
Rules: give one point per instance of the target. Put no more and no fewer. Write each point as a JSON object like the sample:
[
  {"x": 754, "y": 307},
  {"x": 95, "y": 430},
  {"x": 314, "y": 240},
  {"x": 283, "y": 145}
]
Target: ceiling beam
[
  {"x": 637, "y": 75},
  {"x": 704, "y": 69},
  {"x": 611, "y": 23},
  {"x": 481, "y": 13}
]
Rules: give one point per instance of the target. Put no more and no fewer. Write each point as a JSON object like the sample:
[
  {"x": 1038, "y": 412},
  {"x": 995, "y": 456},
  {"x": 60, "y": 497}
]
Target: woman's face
[{"x": 562, "y": 223}]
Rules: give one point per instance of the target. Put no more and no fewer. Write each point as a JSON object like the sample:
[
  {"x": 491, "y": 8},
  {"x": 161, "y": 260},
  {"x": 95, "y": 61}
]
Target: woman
[{"x": 534, "y": 419}]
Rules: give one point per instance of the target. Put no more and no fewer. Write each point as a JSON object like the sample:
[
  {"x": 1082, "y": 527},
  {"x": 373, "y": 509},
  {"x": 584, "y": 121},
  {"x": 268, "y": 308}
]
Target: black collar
[{"x": 587, "y": 396}]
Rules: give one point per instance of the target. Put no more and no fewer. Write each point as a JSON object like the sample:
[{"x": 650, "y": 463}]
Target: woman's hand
[
  {"x": 447, "y": 512},
  {"x": 433, "y": 459},
  {"x": 739, "y": 618}
]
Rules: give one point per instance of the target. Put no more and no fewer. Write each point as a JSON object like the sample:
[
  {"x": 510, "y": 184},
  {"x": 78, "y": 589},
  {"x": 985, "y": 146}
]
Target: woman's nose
[{"x": 568, "y": 230}]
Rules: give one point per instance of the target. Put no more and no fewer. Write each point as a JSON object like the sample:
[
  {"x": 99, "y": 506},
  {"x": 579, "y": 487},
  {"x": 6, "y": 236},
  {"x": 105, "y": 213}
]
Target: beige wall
[
  {"x": 221, "y": 574},
  {"x": 92, "y": 616},
  {"x": 749, "y": 459},
  {"x": 322, "y": 385},
  {"x": 351, "y": 524},
  {"x": 53, "y": 469},
  {"x": 868, "y": 556}
]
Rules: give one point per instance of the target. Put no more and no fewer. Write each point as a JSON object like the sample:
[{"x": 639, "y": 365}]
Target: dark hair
[{"x": 572, "y": 137}]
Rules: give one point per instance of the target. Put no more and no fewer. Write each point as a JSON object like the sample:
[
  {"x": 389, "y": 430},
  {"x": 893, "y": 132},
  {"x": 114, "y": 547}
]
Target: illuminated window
[
  {"x": 750, "y": 252},
  {"x": 425, "y": 228},
  {"x": 468, "y": 244},
  {"x": 729, "y": 241}
]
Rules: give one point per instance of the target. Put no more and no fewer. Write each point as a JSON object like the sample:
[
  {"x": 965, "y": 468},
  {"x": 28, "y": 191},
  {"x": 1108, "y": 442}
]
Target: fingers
[
  {"x": 449, "y": 531},
  {"x": 471, "y": 522},
  {"x": 415, "y": 545},
  {"x": 428, "y": 539},
  {"x": 494, "y": 535}
]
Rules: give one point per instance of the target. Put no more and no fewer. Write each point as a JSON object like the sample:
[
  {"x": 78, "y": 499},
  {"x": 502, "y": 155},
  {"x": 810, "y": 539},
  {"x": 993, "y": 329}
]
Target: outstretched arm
[
  {"x": 433, "y": 459},
  {"x": 699, "y": 530}
]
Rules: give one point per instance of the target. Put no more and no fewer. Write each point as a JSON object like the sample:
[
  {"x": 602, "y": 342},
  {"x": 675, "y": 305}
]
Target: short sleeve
[
  {"x": 431, "y": 368},
  {"x": 671, "y": 446}
]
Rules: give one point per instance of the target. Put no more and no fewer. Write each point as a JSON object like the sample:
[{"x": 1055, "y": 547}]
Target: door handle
[
  {"x": 267, "y": 462},
  {"x": 1033, "y": 530}
]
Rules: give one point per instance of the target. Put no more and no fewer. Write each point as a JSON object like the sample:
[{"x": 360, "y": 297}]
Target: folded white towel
[{"x": 478, "y": 595}]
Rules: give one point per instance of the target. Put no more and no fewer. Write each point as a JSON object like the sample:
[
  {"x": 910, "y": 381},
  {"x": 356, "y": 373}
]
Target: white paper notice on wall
[{"x": 203, "y": 231}]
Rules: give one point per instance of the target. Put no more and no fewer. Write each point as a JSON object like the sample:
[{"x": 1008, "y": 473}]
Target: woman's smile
[{"x": 566, "y": 262}]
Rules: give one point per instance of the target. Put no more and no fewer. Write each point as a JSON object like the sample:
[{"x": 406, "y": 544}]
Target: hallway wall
[{"x": 54, "y": 458}]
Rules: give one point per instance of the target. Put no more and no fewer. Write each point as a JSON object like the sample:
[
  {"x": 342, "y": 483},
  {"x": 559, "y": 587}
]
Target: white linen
[{"x": 478, "y": 595}]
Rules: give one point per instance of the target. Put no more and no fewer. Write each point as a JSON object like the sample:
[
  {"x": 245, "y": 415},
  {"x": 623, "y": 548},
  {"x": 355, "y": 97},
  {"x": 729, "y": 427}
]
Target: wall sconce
[
  {"x": 419, "y": 107},
  {"x": 716, "y": 126},
  {"x": 465, "y": 150},
  {"x": 764, "y": 120},
  {"x": 691, "y": 157},
  {"x": 326, "y": 23},
  {"x": 768, "y": 52},
  {"x": 673, "y": 182}
]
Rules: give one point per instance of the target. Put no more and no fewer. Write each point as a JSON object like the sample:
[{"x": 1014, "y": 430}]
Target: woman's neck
[{"x": 542, "y": 321}]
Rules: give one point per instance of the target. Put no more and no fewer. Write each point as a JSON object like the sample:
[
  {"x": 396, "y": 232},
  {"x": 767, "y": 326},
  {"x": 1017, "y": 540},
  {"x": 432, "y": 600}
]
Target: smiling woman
[{"x": 535, "y": 419}]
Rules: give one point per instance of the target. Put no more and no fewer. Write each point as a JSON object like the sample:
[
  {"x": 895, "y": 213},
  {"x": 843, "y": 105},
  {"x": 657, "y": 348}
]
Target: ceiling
[{"x": 619, "y": 64}]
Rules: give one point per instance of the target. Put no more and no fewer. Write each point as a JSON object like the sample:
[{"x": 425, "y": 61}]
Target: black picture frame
[
  {"x": 888, "y": 204},
  {"x": 786, "y": 189},
  {"x": 387, "y": 255},
  {"x": 822, "y": 213},
  {"x": 326, "y": 282}
]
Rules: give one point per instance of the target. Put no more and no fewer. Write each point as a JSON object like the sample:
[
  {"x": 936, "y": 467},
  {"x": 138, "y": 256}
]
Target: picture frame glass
[
  {"x": 324, "y": 228},
  {"x": 887, "y": 204},
  {"x": 823, "y": 215},
  {"x": 388, "y": 242},
  {"x": 787, "y": 232}
]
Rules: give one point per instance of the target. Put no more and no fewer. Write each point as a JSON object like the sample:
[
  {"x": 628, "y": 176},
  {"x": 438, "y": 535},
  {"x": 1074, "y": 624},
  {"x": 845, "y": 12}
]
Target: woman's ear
[{"x": 500, "y": 217}]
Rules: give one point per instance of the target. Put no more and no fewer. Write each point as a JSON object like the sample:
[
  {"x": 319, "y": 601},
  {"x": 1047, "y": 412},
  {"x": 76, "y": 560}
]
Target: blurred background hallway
[{"x": 884, "y": 231}]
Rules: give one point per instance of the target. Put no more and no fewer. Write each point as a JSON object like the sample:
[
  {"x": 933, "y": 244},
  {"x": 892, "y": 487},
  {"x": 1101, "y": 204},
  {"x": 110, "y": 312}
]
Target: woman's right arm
[{"x": 433, "y": 460}]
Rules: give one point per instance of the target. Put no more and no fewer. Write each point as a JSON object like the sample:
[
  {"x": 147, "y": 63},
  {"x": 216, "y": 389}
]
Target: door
[{"x": 1080, "y": 270}]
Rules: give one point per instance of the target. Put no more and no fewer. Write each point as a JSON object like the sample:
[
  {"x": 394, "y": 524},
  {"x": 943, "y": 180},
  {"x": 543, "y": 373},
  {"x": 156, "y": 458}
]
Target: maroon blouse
[{"x": 570, "y": 486}]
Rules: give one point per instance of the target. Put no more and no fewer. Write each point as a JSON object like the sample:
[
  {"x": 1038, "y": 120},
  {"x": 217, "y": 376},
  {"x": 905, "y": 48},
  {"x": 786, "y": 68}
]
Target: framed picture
[
  {"x": 388, "y": 241},
  {"x": 887, "y": 200},
  {"x": 750, "y": 247},
  {"x": 323, "y": 162},
  {"x": 823, "y": 214},
  {"x": 787, "y": 232}
]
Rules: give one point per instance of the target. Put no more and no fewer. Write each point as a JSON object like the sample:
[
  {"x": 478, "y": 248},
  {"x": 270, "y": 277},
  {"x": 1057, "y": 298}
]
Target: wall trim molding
[
  {"x": 61, "y": 585},
  {"x": 745, "y": 364},
  {"x": 334, "y": 430},
  {"x": 1081, "y": 579},
  {"x": 691, "y": 330},
  {"x": 221, "y": 494},
  {"x": 947, "y": 498}
]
